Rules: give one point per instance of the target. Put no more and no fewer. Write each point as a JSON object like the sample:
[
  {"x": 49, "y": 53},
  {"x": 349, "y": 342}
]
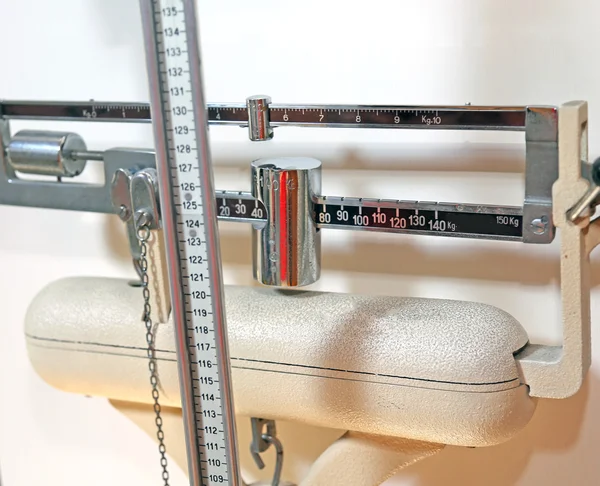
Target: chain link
[{"x": 143, "y": 234}]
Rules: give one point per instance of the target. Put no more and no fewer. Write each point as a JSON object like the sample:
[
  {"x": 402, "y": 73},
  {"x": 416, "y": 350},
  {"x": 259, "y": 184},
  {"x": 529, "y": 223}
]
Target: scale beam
[
  {"x": 390, "y": 216},
  {"x": 449, "y": 219},
  {"x": 511, "y": 118},
  {"x": 260, "y": 117}
]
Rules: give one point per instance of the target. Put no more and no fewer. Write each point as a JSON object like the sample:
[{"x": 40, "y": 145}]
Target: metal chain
[{"x": 143, "y": 234}]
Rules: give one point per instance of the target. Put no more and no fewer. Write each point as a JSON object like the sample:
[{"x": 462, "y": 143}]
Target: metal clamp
[{"x": 134, "y": 197}]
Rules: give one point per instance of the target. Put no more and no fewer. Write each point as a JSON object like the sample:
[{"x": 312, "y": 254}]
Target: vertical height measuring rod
[{"x": 180, "y": 124}]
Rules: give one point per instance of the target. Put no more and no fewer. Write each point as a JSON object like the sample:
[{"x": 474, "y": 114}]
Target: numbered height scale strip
[{"x": 189, "y": 217}]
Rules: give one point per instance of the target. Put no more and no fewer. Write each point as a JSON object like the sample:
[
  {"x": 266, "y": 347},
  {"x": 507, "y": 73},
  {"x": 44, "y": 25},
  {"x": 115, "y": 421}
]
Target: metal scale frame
[
  {"x": 530, "y": 223},
  {"x": 284, "y": 206}
]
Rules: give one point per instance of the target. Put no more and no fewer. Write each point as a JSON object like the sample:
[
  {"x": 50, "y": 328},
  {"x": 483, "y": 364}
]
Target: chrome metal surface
[
  {"x": 460, "y": 220},
  {"x": 75, "y": 196},
  {"x": 75, "y": 111},
  {"x": 88, "y": 155},
  {"x": 46, "y": 153},
  {"x": 134, "y": 194},
  {"x": 123, "y": 207},
  {"x": 150, "y": 16},
  {"x": 539, "y": 122},
  {"x": 189, "y": 219},
  {"x": 259, "y": 127},
  {"x": 145, "y": 199},
  {"x": 458, "y": 117},
  {"x": 441, "y": 117},
  {"x": 585, "y": 205},
  {"x": 539, "y": 225},
  {"x": 541, "y": 171},
  {"x": 120, "y": 193},
  {"x": 287, "y": 248}
]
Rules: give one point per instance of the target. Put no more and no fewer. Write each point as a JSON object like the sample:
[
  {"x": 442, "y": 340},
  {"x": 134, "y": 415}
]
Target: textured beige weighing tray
[{"x": 425, "y": 369}]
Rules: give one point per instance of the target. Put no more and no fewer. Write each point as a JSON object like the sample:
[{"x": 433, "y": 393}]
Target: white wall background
[{"x": 394, "y": 52}]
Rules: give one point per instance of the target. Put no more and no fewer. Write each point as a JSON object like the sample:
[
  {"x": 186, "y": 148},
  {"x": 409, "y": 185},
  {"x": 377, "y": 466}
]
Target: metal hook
[
  {"x": 586, "y": 205},
  {"x": 264, "y": 434}
]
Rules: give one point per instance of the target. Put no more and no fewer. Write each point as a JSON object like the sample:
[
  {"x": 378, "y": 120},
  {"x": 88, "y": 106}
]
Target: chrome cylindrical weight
[
  {"x": 46, "y": 153},
  {"x": 287, "y": 248},
  {"x": 259, "y": 123}
]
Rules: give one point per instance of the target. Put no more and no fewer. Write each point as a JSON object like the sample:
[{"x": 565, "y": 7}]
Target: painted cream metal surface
[{"x": 425, "y": 369}]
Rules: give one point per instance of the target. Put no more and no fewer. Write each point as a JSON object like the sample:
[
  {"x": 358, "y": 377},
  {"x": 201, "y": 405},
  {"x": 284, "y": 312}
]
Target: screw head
[
  {"x": 142, "y": 218},
  {"x": 124, "y": 212},
  {"x": 539, "y": 225}
]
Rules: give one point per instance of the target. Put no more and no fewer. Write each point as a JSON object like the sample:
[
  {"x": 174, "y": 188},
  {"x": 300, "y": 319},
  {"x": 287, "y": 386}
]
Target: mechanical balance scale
[{"x": 287, "y": 212}]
